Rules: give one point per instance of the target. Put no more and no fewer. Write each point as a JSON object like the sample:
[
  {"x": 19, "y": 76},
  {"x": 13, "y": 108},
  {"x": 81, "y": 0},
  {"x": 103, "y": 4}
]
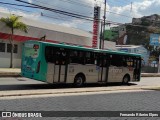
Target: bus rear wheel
[
  {"x": 126, "y": 79},
  {"x": 79, "y": 80}
]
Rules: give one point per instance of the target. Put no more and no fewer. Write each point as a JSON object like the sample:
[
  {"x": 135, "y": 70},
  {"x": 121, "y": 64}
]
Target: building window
[
  {"x": 15, "y": 48},
  {"x": 2, "y": 47}
]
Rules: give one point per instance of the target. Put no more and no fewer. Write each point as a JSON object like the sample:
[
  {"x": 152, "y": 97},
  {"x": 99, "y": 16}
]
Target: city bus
[{"x": 62, "y": 63}]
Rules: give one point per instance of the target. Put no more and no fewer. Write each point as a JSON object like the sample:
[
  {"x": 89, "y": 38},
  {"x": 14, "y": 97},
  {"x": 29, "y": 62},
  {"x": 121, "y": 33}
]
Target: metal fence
[{"x": 149, "y": 69}]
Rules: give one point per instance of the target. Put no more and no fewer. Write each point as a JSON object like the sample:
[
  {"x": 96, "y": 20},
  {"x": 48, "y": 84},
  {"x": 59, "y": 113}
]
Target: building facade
[{"x": 36, "y": 30}]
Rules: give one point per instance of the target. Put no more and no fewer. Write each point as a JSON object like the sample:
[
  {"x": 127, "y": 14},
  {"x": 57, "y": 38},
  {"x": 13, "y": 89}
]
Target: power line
[
  {"x": 60, "y": 18},
  {"x": 92, "y": 7},
  {"x": 67, "y": 13},
  {"x": 52, "y": 10},
  {"x": 88, "y": 6},
  {"x": 122, "y": 2},
  {"x": 17, "y": 5},
  {"x": 77, "y": 3},
  {"x": 41, "y": 8},
  {"x": 115, "y": 13},
  {"x": 15, "y": 8},
  {"x": 59, "y": 11},
  {"x": 118, "y": 14},
  {"x": 37, "y": 1}
]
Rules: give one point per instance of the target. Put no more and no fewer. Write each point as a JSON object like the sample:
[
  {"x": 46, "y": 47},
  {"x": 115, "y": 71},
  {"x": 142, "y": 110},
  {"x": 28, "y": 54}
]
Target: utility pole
[
  {"x": 101, "y": 35},
  {"x": 104, "y": 23},
  {"x": 131, "y": 6}
]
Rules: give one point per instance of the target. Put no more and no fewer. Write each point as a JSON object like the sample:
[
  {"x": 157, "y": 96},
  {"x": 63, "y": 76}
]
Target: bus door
[
  {"x": 56, "y": 61},
  {"x": 117, "y": 68},
  {"x": 137, "y": 69},
  {"x": 61, "y": 66},
  {"x": 103, "y": 65}
]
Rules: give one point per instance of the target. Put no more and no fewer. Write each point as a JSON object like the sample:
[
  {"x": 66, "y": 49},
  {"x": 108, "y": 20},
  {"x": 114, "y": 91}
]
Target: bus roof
[
  {"x": 63, "y": 45},
  {"x": 121, "y": 53}
]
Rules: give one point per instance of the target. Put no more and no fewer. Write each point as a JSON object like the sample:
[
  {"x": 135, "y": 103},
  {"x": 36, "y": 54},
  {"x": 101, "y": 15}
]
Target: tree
[{"x": 13, "y": 23}]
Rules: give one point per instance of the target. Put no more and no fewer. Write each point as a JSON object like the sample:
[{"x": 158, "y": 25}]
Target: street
[
  {"x": 128, "y": 101},
  {"x": 21, "y": 83},
  {"x": 80, "y": 42},
  {"x": 140, "y": 100}
]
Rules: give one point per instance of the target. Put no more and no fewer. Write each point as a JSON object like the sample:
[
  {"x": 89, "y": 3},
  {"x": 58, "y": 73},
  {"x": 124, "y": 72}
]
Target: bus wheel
[
  {"x": 79, "y": 80},
  {"x": 126, "y": 79}
]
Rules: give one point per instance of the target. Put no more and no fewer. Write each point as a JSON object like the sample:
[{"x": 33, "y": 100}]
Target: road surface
[
  {"x": 126, "y": 101},
  {"x": 29, "y": 84}
]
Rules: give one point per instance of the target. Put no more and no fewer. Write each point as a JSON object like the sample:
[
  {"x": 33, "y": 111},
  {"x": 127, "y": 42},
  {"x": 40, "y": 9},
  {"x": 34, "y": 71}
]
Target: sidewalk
[
  {"x": 15, "y": 72},
  {"x": 75, "y": 91},
  {"x": 10, "y": 72}
]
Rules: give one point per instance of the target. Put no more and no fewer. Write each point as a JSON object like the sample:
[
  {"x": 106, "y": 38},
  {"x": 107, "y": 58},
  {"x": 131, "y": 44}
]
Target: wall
[
  {"x": 110, "y": 45},
  {"x": 5, "y": 56}
]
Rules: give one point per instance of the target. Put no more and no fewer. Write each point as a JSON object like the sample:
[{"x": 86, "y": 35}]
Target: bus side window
[
  {"x": 57, "y": 56},
  {"x": 117, "y": 61},
  {"x": 49, "y": 54},
  {"x": 77, "y": 56},
  {"x": 61, "y": 56},
  {"x": 90, "y": 57},
  {"x": 73, "y": 56},
  {"x": 101, "y": 60},
  {"x": 81, "y": 57},
  {"x": 124, "y": 64}
]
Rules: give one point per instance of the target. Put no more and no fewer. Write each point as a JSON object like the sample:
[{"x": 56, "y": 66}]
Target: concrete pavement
[
  {"x": 10, "y": 72},
  {"x": 150, "y": 74},
  {"x": 15, "y": 72},
  {"x": 70, "y": 91}
]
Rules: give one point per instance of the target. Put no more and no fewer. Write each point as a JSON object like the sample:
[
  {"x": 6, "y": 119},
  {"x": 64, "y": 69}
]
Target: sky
[{"x": 118, "y": 11}]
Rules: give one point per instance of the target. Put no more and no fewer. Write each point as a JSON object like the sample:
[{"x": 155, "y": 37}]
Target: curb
[
  {"x": 8, "y": 74},
  {"x": 72, "y": 91},
  {"x": 63, "y": 92},
  {"x": 150, "y": 74}
]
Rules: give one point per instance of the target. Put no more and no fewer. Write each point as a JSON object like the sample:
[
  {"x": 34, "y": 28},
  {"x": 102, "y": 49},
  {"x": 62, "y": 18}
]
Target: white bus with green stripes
[{"x": 62, "y": 63}]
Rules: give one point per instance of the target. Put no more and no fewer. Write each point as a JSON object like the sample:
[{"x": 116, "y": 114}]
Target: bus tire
[
  {"x": 126, "y": 79},
  {"x": 79, "y": 80}
]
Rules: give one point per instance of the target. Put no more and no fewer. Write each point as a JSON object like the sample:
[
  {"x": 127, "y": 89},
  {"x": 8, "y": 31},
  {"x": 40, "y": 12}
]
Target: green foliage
[
  {"x": 13, "y": 23},
  {"x": 110, "y": 35}
]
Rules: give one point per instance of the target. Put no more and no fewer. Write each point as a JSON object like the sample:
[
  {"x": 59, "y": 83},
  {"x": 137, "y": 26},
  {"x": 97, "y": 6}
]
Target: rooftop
[
  {"x": 128, "y": 46},
  {"x": 50, "y": 26}
]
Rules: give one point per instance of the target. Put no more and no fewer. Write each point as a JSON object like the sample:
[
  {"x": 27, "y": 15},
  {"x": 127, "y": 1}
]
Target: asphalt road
[
  {"x": 125, "y": 101},
  {"x": 128, "y": 101},
  {"x": 29, "y": 84}
]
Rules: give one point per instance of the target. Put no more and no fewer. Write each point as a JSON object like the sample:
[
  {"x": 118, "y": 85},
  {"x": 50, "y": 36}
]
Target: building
[
  {"x": 135, "y": 49},
  {"x": 152, "y": 20},
  {"x": 109, "y": 45},
  {"x": 36, "y": 30}
]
